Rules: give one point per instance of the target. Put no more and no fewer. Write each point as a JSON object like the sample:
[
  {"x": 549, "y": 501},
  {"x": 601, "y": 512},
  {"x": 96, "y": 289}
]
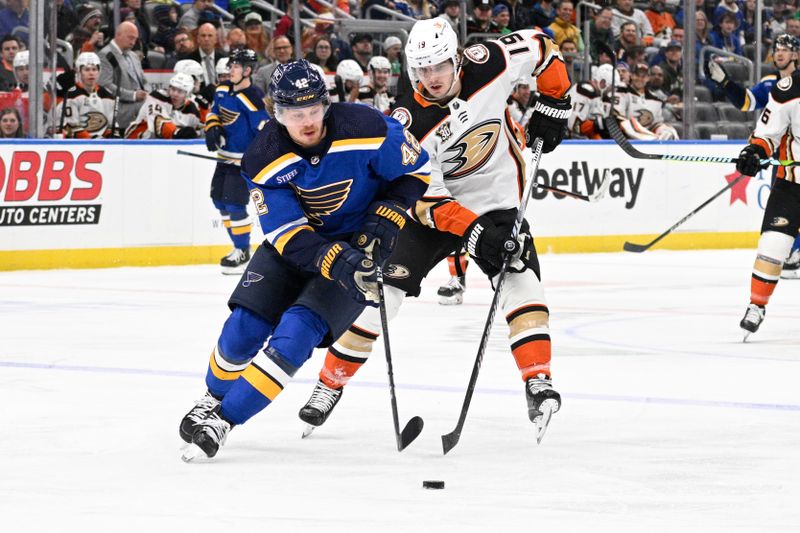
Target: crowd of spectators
[{"x": 154, "y": 35}]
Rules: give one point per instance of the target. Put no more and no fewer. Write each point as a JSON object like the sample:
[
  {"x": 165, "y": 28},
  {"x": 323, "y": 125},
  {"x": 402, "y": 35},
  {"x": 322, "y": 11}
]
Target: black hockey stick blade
[
  {"x": 636, "y": 248},
  {"x": 410, "y": 432},
  {"x": 450, "y": 440}
]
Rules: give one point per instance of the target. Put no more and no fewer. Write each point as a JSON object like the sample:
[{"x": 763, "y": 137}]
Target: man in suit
[
  {"x": 120, "y": 63},
  {"x": 207, "y": 53}
]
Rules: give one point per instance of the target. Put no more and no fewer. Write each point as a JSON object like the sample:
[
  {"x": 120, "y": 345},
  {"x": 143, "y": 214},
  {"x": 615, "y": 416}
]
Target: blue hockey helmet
[
  {"x": 788, "y": 41},
  {"x": 297, "y": 84},
  {"x": 245, "y": 57}
]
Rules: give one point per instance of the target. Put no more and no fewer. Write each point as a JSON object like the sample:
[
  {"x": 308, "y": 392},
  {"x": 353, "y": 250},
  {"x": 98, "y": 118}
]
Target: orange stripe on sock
[
  {"x": 760, "y": 291},
  {"x": 337, "y": 372},
  {"x": 533, "y": 358}
]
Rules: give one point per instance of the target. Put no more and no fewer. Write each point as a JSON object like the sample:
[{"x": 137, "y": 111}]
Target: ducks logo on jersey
[
  {"x": 324, "y": 200},
  {"x": 472, "y": 150}
]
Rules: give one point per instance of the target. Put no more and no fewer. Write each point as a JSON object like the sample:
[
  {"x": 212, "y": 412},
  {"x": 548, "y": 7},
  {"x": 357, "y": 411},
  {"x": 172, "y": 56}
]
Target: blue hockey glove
[
  {"x": 549, "y": 121},
  {"x": 486, "y": 241},
  {"x": 749, "y": 162},
  {"x": 353, "y": 271},
  {"x": 215, "y": 138},
  {"x": 384, "y": 221}
]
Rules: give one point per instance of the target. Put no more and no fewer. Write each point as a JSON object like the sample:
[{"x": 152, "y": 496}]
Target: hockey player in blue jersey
[
  {"x": 785, "y": 57},
  {"x": 235, "y": 118},
  {"x": 331, "y": 184}
]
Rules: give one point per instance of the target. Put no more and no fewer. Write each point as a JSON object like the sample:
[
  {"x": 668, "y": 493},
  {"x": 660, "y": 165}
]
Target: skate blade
[
  {"x": 746, "y": 335},
  {"x": 450, "y": 301},
  {"x": 543, "y": 421},
  {"x": 233, "y": 271},
  {"x": 309, "y": 429},
  {"x": 191, "y": 452}
]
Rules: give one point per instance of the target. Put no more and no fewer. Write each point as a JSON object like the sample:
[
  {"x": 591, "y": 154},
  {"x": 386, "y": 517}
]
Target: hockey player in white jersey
[
  {"x": 202, "y": 95},
  {"x": 376, "y": 92},
  {"x": 169, "y": 114},
  {"x": 777, "y": 129},
  {"x": 458, "y": 112},
  {"x": 349, "y": 78},
  {"x": 639, "y": 111},
  {"x": 88, "y": 108},
  {"x": 588, "y": 104}
]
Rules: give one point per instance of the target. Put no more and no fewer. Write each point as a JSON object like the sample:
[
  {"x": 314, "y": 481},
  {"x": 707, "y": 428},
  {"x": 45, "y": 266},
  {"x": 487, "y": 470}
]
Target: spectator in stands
[
  {"x": 481, "y": 19},
  {"x": 256, "y": 35},
  {"x": 87, "y": 37},
  {"x": 600, "y": 34},
  {"x": 14, "y": 15},
  {"x": 282, "y": 52},
  {"x": 501, "y": 18},
  {"x": 628, "y": 37},
  {"x": 235, "y": 40},
  {"x": 728, "y": 6},
  {"x": 9, "y": 46},
  {"x": 660, "y": 20},
  {"x": 634, "y": 55},
  {"x": 119, "y": 64},
  {"x": 673, "y": 68},
  {"x": 625, "y": 7},
  {"x": 190, "y": 19},
  {"x": 143, "y": 25},
  {"x": 322, "y": 55},
  {"x": 207, "y": 53},
  {"x": 361, "y": 47},
  {"x": 543, "y": 13},
  {"x": 569, "y": 50},
  {"x": 392, "y": 50},
  {"x": 563, "y": 28},
  {"x": 11, "y": 124},
  {"x": 421, "y": 9},
  {"x": 183, "y": 45},
  {"x": 679, "y": 13},
  {"x": 66, "y": 19},
  {"x": 166, "y": 19},
  {"x": 623, "y": 73},
  {"x": 780, "y": 14},
  {"x": 656, "y": 83},
  {"x": 748, "y": 28},
  {"x": 724, "y": 36},
  {"x": 451, "y": 11},
  {"x": 793, "y": 27}
]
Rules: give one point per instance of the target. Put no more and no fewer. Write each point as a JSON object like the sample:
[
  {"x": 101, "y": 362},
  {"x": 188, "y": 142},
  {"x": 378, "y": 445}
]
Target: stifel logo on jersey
[{"x": 54, "y": 176}]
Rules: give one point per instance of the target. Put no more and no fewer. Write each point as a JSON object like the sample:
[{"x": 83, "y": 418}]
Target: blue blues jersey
[
  {"x": 753, "y": 98},
  {"x": 308, "y": 198},
  {"x": 240, "y": 113}
]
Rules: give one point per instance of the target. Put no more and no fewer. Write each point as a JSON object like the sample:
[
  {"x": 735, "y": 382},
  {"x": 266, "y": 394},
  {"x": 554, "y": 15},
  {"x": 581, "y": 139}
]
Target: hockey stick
[
  {"x": 639, "y": 248},
  {"x": 209, "y": 157},
  {"x": 115, "y": 129},
  {"x": 596, "y": 196},
  {"x": 414, "y": 426},
  {"x": 451, "y": 439}
]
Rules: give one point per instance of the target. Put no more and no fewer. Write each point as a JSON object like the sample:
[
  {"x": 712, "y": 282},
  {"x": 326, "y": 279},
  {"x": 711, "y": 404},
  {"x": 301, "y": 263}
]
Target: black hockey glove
[
  {"x": 384, "y": 221},
  {"x": 353, "y": 271},
  {"x": 749, "y": 162},
  {"x": 185, "y": 132},
  {"x": 486, "y": 241},
  {"x": 215, "y": 136},
  {"x": 549, "y": 121}
]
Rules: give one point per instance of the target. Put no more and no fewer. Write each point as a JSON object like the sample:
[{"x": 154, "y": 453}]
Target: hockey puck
[{"x": 432, "y": 484}]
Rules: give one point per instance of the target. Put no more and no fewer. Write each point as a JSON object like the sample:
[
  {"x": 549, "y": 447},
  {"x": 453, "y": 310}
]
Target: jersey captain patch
[
  {"x": 324, "y": 200},
  {"x": 472, "y": 150}
]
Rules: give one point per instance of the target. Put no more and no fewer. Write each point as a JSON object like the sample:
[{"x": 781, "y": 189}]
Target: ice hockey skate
[
  {"x": 753, "y": 318},
  {"x": 201, "y": 408},
  {"x": 319, "y": 407},
  {"x": 235, "y": 262},
  {"x": 543, "y": 401},
  {"x": 791, "y": 268},
  {"x": 209, "y": 436},
  {"x": 453, "y": 292}
]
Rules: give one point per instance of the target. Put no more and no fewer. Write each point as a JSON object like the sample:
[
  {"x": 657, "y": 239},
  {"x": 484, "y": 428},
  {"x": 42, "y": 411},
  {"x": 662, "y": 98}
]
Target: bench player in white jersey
[
  {"x": 202, "y": 94},
  {"x": 376, "y": 92},
  {"x": 588, "y": 105},
  {"x": 778, "y": 129},
  {"x": 458, "y": 112},
  {"x": 88, "y": 108},
  {"x": 639, "y": 111},
  {"x": 169, "y": 114}
]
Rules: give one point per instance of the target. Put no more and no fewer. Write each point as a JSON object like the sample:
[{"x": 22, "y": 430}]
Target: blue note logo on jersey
[
  {"x": 227, "y": 116},
  {"x": 324, "y": 200},
  {"x": 251, "y": 278}
]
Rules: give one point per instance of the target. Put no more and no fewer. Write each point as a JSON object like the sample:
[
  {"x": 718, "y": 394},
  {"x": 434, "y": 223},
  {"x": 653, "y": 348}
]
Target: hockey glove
[
  {"x": 384, "y": 220},
  {"x": 215, "y": 136},
  {"x": 749, "y": 162},
  {"x": 715, "y": 71},
  {"x": 185, "y": 132},
  {"x": 351, "y": 270},
  {"x": 549, "y": 121},
  {"x": 486, "y": 241},
  {"x": 524, "y": 257}
]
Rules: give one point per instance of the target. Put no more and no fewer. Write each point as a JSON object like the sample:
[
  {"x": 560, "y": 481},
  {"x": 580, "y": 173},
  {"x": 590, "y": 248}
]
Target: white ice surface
[{"x": 669, "y": 423}]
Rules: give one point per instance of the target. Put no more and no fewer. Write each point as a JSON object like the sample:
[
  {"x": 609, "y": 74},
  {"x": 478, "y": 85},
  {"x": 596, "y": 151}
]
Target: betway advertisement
[{"x": 119, "y": 194}]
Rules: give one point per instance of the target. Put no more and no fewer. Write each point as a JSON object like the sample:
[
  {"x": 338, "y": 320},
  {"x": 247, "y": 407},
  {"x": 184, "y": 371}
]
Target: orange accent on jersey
[
  {"x": 167, "y": 130},
  {"x": 337, "y": 372},
  {"x": 533, "y": 358},
  {"x": 453, "y": 217},
  {"x": 462, "y": 264},
  {"x": 138, "y": 131},
  {"x": 553, "y": 80},
  {"x": 83, "y": 134},
  {"x": 760, "y": 291},
  {"x": 587, "y": 129}
]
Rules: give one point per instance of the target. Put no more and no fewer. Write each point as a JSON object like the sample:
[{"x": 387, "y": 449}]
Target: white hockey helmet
[
  {"x": 379, "y": 63},
  {"x": 431, "y": 41},
  {"x": 22, "y": 59},
  {"x": 182, "y": 82},
  {"x": 85, "y": 59},
  {"x": 349, "y": 70},
  {"x": 603, "y": 73},
  {"x": 190, "y": 67},
  {"x": 222, "y": 66}
]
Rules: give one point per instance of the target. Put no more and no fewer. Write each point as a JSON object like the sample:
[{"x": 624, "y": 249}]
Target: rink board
[{"x": 80, "y": 204}]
